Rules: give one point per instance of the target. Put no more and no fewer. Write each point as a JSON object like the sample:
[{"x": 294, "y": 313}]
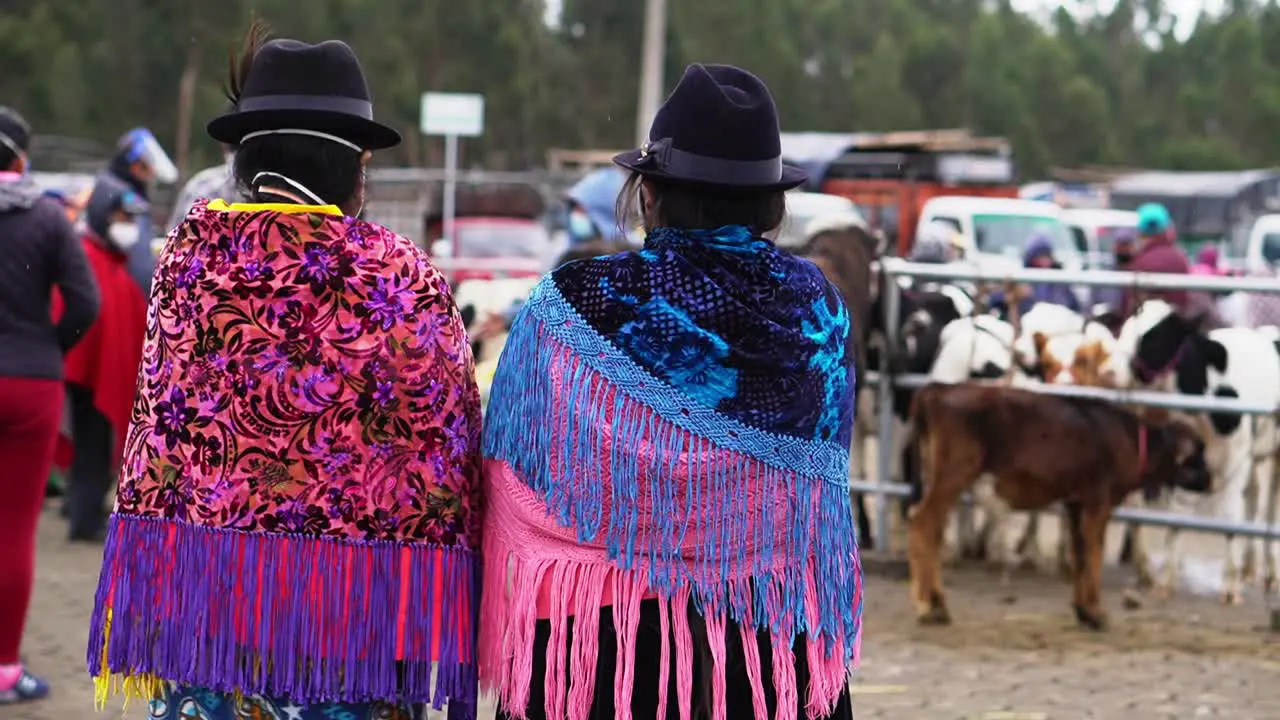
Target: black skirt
[{"x": 648, "y": 649}]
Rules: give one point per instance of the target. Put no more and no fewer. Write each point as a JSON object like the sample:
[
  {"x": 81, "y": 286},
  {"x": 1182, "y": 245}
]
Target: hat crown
[
  {"x": 720, "y": 111},
  {"x": 291, "y": 67},
  {"x": 15, "y": 128},
  {"x": 292, "y": 86}
]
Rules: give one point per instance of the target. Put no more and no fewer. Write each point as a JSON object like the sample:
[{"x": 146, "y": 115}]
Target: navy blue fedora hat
[
  {"x": 318, "y": 88},
  {"x": 719, "y": 127}
]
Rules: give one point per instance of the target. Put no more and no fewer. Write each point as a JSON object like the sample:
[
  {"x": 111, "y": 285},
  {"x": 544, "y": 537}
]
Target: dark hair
[
  {"x": 696, "y": 207},
  {"x": 330, "y": 170},
  {"x": 16, "y": 128}
]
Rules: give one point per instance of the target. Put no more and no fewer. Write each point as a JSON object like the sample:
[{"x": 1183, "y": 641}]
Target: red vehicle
[
  {"x": 890, "y": 177},
  {"x": 487, "y": 247},
  {"x": 497, "y": 231}
]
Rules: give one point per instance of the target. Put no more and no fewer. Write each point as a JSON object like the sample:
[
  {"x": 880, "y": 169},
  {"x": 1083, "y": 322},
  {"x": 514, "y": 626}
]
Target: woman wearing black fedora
[
  {"x": 668, "y": 529},
  {"x": 297, "y": 520}
]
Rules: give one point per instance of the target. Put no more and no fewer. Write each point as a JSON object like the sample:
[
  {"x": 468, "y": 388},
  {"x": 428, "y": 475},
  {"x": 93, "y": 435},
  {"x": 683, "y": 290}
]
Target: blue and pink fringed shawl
[
  {"x": 298, "y": 511},
  {"x": 673, "y": 423}
]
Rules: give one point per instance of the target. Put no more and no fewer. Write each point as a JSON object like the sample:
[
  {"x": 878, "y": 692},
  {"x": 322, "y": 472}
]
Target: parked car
[
  {"x": 485, "y": 248},
  {"x": 1262, "y": 244},
  {"x": 803, "y": 207}
]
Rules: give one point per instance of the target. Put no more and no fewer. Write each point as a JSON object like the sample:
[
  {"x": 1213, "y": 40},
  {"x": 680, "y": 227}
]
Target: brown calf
[{"x": 1040, "y": 450}]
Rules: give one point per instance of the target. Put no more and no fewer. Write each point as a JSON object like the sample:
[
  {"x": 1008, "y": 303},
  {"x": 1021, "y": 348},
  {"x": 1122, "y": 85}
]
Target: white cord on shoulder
[{"x": 288, "y": 181}]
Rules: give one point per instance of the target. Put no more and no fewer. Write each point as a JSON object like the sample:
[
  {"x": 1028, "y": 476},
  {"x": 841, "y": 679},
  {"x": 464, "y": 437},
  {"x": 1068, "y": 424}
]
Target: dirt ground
[{"x": 1013, "y": 653}]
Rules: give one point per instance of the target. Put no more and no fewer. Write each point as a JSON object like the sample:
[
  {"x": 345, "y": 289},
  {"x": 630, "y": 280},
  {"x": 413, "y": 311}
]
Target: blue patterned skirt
[{"x": 185, "y": 703}]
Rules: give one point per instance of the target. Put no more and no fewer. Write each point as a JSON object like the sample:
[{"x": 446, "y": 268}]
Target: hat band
[
  {"x": 300, "y": 131},
  {"x": 701, "y": 168},
  {"x": 325, "y": 103},
  {"x": 8, "y": 142}
]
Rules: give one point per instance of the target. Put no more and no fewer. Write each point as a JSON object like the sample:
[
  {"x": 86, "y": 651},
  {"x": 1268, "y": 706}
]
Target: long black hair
[{"x": 695, "y": 207}]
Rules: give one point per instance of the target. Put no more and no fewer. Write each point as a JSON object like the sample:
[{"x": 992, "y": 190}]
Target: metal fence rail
[{"x": 886, "y": 382}]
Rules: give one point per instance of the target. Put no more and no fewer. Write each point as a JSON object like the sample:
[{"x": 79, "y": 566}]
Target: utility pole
[{"x": 655, "y": 52}]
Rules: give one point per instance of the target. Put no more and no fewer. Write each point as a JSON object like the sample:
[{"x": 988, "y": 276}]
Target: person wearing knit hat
[
  {"x": 667, "y": 450},
  {"x": 298, "y": 513},
  {"x": 1157, "y": 252},
  {"x": 41, "y": 253}
]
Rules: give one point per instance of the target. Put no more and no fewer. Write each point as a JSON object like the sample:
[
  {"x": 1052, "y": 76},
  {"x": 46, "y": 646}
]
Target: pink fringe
[
  {"x": 715, "y": 639},
  {"x": 664, "y": 668},
  {"x": 755, "y": 674},
  {"x": 528, "y": 556},
  {"x": 684, "y": 653}
]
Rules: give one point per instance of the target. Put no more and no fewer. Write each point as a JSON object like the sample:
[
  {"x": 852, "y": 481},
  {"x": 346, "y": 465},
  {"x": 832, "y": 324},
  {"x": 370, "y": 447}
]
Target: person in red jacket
[
  {"x": 102, "y": 370},
  {"x": 1157, "y": 253}
]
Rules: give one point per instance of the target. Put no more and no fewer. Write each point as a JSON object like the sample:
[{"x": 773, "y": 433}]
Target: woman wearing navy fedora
[
  {"x": 668, "y": 530},
  {"x": 297, "y": 520}
]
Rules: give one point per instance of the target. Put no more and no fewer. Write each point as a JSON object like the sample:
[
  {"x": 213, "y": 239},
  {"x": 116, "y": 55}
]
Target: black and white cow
[{"x": 1171, "y": 353}]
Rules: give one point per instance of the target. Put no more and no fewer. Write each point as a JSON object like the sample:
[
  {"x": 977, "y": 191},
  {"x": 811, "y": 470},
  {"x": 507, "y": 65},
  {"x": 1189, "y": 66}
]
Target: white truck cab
[
  {"x": 998, "y": 229},
  {"x": 1262, "y": 249}
]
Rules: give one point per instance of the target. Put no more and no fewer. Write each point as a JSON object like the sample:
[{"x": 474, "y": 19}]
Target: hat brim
[
  {"x": 792, "y": 177},
  {"x": 231, "y": 127}
]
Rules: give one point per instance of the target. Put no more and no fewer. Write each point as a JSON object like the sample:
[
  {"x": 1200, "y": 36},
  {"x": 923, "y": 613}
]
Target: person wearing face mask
[
  {"x": 301, "y": 480},
  {"x": 102, "y": 370},
  {"x": 592, "y": 204},
  {"x": 214, "y": 182},
  {"x": 40, "y": 252}
]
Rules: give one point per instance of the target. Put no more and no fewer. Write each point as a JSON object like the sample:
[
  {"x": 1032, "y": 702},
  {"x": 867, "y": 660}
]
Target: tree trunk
[{"x": 186, "y": 101}]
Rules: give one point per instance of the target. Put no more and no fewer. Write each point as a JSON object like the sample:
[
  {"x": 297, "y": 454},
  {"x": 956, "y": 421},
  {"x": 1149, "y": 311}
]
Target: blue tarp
[{"x": 815, "y": 151}]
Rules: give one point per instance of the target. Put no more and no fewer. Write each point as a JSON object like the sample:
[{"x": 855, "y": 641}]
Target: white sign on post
[
  {"x": 460, "y": 114},
  {"x": 452, "y": 115}
]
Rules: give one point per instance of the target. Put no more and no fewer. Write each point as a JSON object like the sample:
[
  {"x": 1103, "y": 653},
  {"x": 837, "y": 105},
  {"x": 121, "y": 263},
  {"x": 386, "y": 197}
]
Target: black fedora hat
[
  {"x": 314, "y": 88},
  {"x": 719, "y": 128}
]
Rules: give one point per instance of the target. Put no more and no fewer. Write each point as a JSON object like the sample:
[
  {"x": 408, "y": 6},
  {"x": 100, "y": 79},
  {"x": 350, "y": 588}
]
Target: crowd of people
[
  {"x": 287, "y": 409},
  {"x": 1150, "y": 247}
]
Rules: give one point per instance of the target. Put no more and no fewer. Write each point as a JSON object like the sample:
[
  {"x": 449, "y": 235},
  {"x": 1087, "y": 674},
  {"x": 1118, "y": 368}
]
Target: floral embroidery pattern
[{"x": 304, "y": 373}]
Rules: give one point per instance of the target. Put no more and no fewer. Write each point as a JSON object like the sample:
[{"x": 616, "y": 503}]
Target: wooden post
[{"x": 186, "y": 101}]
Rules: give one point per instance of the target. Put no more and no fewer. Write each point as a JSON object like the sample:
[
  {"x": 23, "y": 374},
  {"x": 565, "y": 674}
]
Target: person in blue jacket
[{"x": 1039, "y": 254}]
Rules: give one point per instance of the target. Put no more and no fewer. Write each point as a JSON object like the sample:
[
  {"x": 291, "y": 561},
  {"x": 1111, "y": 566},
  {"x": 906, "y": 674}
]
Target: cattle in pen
[
  {"x": 1035, "y": 451},
  {"x": 1172, "y": 353}
]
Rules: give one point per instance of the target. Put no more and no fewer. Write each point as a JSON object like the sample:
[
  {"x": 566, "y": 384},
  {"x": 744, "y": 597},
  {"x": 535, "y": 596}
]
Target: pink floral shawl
[{"x": 299, "y": 508}]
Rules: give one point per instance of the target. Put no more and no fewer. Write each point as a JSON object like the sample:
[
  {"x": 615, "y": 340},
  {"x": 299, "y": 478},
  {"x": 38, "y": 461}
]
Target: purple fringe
[{"x": 310, "y": 619}]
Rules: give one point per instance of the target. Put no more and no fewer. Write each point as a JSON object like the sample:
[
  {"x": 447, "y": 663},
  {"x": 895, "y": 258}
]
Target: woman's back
[
  {"x": 667, "y": 447},
  {"x": 41, "y": 251},
  {"x": 297, "y": 521}
]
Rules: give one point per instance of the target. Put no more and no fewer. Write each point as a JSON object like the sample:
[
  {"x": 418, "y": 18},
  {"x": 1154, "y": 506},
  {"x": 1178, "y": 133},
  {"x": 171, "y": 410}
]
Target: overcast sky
[{"x": 1186, "y": 10}]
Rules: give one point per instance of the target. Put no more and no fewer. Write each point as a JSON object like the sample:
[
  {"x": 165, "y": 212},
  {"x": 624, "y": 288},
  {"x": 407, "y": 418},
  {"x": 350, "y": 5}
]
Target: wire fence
[{"x": 886, "y": 382}]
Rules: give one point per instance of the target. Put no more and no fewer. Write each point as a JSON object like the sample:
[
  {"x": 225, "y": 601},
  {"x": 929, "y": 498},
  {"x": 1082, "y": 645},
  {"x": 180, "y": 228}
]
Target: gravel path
[{"x": 1013, "y": 653}]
